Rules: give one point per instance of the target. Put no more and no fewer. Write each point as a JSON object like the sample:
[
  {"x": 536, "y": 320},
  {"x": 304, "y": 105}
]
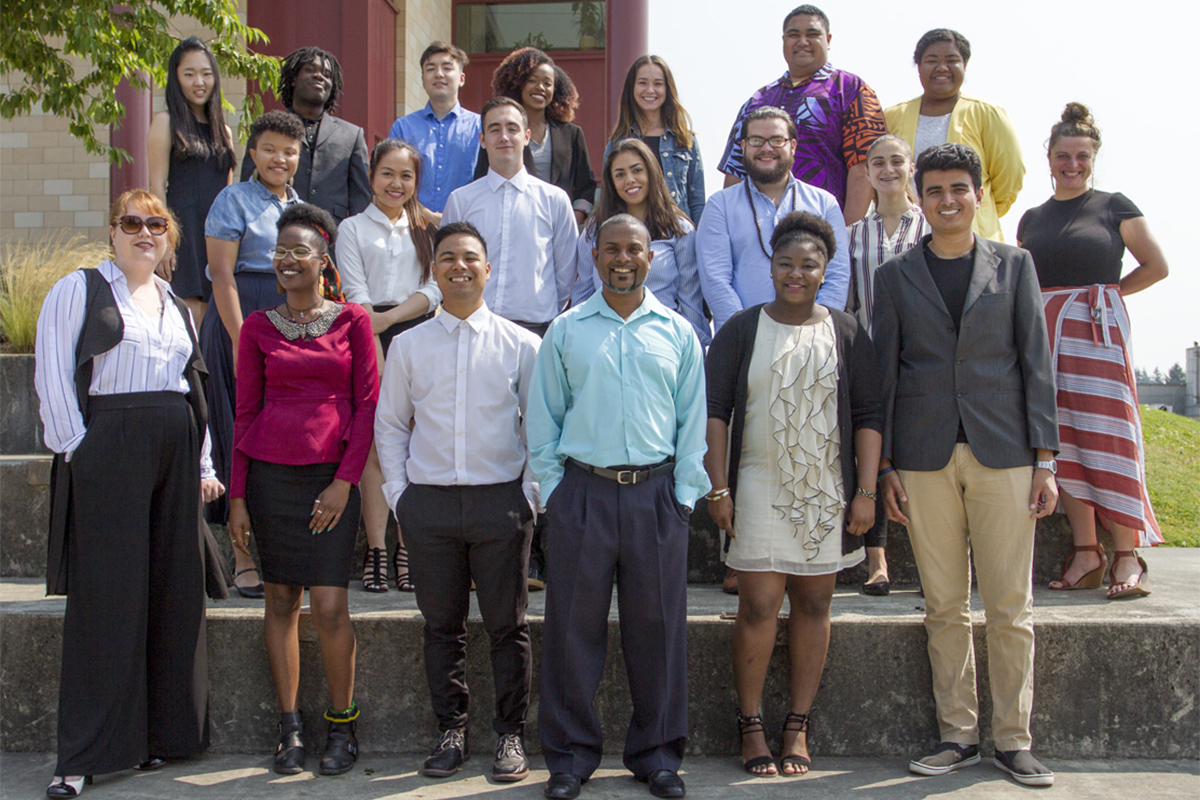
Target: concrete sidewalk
[{"x": 25, "y": 775}]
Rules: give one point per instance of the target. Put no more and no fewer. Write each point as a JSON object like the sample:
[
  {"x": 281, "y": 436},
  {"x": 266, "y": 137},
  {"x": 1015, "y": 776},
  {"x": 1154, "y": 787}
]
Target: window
[{"x": 501, "y": 27}]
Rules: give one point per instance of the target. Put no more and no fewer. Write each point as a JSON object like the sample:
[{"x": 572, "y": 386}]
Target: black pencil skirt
[
  {"x": 135, "y": 663},
  {"x": 280, "y": 499}
]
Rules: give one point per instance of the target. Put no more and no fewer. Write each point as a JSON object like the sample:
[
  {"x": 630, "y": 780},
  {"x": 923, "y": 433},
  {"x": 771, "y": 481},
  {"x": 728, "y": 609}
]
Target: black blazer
[
  {"x": 995, "y": 374},
  {"x": 333, "y": 175},
  {"x": 727, "y": 368},
  {"x": 570, "y": 169}
]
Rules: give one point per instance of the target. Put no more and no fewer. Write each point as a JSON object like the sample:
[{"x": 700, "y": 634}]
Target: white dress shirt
[
  {"x": 151, "y": 357},
  {"x": 530, "y": 232},
  {"x": 465, "y": 382},
  {"x": 378, "y": 261}
]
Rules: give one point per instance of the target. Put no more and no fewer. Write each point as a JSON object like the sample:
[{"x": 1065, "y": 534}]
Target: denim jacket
[{"x": 683, "y": 171}]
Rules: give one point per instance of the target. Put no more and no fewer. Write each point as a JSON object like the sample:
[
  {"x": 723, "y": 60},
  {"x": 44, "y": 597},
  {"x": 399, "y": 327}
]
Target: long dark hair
[
  {"x": 417, "y": 224},
  {"x": 291, "y": 66},
  {"x": 675, "y": 117},
  {"x": 187, "y": 141},
  {"x": 662, "y": 214}
]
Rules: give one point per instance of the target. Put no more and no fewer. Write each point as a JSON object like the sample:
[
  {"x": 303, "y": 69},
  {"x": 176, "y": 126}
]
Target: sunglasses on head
[{"x": 131, "y": 225}]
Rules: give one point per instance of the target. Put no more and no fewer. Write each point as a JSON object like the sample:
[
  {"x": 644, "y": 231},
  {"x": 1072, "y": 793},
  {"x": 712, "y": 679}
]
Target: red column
[
  {"x": 628, "y": 38},
  {"x": 130, "y": 136}
]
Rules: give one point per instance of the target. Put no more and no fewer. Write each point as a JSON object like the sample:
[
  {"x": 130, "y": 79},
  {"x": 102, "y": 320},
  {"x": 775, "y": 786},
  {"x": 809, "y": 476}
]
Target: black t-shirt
[
  {"x": 653, "y": 143},
  {"x": 953, "y": 278},
  {"x": 1077, "y": 242}
]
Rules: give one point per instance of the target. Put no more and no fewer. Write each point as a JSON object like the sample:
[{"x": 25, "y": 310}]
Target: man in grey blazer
[
  {"x": 969, "y": 439},
  {"x": 333, "y": 156}
]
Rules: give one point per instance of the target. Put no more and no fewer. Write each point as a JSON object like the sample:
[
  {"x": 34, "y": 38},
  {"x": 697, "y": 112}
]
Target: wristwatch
[{"x": 1051, "y": 465}]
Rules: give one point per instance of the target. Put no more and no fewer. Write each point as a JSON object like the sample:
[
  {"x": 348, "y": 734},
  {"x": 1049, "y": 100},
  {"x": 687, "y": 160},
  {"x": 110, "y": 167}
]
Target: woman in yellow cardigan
[{"x": 944, "y": 114}]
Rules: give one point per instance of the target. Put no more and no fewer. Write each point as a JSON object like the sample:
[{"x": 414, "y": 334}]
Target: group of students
[{"x": 871, "y": 355}]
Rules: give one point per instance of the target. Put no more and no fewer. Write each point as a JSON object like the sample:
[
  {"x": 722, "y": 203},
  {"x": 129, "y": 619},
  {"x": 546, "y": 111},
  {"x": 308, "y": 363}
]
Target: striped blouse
[
  {"x": 870, "y": 246},
  {"x": 151, "y": 357}
]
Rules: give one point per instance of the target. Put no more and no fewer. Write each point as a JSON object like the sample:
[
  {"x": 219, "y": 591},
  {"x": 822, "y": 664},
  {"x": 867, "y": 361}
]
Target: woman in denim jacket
[{"x": 650, "y": 111}]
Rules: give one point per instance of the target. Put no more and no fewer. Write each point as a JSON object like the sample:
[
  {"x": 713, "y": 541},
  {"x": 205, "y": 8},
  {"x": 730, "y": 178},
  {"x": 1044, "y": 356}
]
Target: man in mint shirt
[
  {"x": 616, "y": 422},
  {"x": 446, "y": 133}
]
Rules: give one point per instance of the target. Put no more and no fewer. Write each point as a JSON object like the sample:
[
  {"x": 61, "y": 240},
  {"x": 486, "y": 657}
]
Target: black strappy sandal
[
  {"x": 798, "y": 724},
  {"x": 748, "y": 725},
  {"x": 375, "y": 570},
  {"x": 400, "y": 566}
]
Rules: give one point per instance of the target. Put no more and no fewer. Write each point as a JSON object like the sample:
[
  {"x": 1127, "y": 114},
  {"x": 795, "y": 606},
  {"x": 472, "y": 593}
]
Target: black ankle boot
[
  {"x": 289, "y": 755},
  {"x": 341, "y": 745}
]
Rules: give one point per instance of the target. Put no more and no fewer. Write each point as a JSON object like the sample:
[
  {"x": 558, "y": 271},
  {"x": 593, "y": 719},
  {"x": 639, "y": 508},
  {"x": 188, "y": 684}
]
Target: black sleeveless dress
[{"x": 192, "y": 185}]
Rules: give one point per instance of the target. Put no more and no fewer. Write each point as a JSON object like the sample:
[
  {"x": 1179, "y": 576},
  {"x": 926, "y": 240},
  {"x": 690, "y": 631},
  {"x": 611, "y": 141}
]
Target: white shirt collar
[
  {"x": 478, "y": 319},
  {"x": 496, "y": 180}
]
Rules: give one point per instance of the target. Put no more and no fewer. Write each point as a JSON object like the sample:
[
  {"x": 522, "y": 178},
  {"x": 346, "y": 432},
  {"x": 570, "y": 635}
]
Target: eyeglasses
[
  {"x": 774, "y": 141},
  {"x": 132, "y": 225},
  {"x": 298, "y": 253}
]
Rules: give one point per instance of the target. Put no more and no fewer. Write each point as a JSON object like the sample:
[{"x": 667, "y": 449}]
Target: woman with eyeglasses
[
  {"x": 239, "y": 235},
  {"x": 119, "y": 380},
  {"x": 307, "y": 388}
]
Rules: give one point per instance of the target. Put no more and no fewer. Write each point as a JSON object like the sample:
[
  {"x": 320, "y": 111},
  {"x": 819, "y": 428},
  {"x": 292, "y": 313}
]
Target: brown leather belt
[{"x": 628, "y": 477}]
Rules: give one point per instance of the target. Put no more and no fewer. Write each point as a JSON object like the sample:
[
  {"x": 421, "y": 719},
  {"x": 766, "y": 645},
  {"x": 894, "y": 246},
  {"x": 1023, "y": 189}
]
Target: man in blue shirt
[
  {"x": 616, "y": 424},
  {"x": 446, "y": 133}
]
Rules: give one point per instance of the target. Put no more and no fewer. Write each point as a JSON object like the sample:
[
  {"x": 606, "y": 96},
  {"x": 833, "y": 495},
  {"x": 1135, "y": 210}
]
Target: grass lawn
[{"x": 1173, "y": 471}]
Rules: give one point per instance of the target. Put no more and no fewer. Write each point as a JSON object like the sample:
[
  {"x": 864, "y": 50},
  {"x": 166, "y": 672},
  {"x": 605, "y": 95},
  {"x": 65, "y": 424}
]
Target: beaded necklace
[{"x": 757, "y": 227}]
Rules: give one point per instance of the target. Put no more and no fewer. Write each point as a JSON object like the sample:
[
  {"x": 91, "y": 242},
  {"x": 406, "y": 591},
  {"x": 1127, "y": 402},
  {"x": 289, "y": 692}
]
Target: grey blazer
[
  {"x": 333, "y": 175},
  {"x": 995, "y": 375}
]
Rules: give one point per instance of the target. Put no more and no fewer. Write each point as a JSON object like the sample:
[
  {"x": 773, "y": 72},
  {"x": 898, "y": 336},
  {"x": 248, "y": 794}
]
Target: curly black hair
[
  {"x": 310, "y": 216},
  {"x": 948, "y": 156},
  {"x": 509, "y": 79},
  {"x": 801, "y": 225},
  {"x": 291, "y": 66},
  {"x": 276, "y": 121}
]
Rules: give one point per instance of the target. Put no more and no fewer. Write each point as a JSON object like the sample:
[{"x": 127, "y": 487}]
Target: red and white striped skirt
[{"x": 1101, "y": 460}]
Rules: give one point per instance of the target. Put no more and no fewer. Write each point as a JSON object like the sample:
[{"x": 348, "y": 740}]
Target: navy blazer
[{"x": 995, "y": 374}]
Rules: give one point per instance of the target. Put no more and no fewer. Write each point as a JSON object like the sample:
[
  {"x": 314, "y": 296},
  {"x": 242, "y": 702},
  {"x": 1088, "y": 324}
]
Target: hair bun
[{"x": 1078, "y": 113}]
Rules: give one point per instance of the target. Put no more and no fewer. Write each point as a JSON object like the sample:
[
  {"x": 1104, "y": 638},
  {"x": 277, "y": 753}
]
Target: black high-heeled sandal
[
  {"x": 400, "y": 566},
  {"x": 65, "y": 788},
  {"x": 798, "y": 724},
  {"x": 375, "y": 570},
  {"x": 748, "y": 725}
]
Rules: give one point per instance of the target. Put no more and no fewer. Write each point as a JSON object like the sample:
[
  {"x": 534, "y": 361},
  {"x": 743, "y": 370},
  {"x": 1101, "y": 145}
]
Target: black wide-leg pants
[
  {"x": 456, "y": 534},
  {"x": 135, "y": 662},
  {"x": 639, "y": 533}
]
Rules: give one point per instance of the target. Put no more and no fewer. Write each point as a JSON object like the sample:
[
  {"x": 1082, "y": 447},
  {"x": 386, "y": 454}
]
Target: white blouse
[
  {"x": 378, "y": 261},
  {"x": 870, "y": 246},
  {"x": 151, "y": 357}
]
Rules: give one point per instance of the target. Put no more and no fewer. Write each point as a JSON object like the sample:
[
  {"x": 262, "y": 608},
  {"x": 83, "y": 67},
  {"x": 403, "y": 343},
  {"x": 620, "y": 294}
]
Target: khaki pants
[{"x": 964, "y": 509}]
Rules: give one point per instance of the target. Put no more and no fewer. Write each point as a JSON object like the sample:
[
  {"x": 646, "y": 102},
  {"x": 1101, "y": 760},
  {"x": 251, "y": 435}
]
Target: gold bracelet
[{"x": 717, "y": 494}]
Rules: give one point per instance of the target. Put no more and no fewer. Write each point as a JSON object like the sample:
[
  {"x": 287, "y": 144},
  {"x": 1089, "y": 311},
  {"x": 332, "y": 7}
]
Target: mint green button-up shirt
[{"x": 611, "y": 392}]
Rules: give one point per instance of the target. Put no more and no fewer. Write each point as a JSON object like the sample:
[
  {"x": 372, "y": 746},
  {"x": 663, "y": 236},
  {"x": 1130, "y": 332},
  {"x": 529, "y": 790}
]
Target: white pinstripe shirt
[
  {"x": 870, "y": 246},
  {"x": 151, "y": 357}
]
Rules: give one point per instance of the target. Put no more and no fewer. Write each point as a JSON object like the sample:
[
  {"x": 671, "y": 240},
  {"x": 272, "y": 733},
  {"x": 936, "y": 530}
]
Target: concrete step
[
  {"x": 376, "y": 777},
  {"x": 25, "y": 506},
  {"x": 1114, "y": 680}
]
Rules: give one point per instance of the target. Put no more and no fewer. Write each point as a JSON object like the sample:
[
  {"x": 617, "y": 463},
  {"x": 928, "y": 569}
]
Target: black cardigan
[{"x": 859, "y": 404}]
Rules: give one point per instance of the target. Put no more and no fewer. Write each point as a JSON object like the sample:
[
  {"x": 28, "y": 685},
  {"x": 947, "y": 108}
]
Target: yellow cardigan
[{"x": 987, "y": 130}]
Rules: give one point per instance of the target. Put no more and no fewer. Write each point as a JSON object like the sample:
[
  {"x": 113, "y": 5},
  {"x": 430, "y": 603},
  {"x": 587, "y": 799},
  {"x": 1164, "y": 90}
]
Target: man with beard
[
  {"x": 333, "y": 156},
  {"x": 617, "y": 417},
  {"x": 732, "y": 241}
]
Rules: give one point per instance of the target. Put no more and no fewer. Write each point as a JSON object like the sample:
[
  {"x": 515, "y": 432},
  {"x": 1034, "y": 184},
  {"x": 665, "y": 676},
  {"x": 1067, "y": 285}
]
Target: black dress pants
[
  {"x": 135, "y": 662},
  {"x": 456, "y": 534},
  {"x": 596, "y": 529}
]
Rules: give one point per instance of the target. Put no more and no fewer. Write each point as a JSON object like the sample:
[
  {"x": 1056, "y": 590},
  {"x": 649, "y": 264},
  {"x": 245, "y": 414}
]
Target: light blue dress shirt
[
  {"x": 674, "y": 277},
  {"x": 611, "y": 392},
  {"x": 247, "y": 213},
  {"x": 448, "y": 147},
  {"x": 735, "y": 273}
]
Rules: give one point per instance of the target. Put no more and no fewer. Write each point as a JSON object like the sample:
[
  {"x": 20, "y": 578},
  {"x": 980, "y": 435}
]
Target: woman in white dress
[{"x": 793, "y": 401}]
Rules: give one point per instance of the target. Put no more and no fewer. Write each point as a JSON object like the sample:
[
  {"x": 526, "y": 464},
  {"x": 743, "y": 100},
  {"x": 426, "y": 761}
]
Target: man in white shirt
[
  {"x": 528, "y": 223},
  {"x": 460, "y": 484}
]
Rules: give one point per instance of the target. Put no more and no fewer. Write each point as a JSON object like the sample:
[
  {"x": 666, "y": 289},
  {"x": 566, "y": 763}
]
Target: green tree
[
  {"x": 1176, "y": 375},
  {"x": 41, "y": 42}
]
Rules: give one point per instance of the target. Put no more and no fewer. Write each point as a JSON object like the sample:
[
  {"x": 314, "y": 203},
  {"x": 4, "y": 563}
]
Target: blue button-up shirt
[
  {"x": 611, "y": 392},
  {"x": 247, "y": 213},
  {"x": 735, "y": 272},
  {"x": 449, "y": 147}
]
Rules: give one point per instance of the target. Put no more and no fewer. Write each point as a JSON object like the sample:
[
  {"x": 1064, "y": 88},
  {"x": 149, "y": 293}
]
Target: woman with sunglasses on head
[
  {"x": 632, "y": 183},
  {"x": 119, "y": 380},
  {"x": 385, "y": 258},
  {"x": 239, "y": 234},
  {"x": 650, "y": 110},
  {"x": 307, "y": 388},
  {"x": 190, "y": 157},
  {"x": 557, "y": 151}
]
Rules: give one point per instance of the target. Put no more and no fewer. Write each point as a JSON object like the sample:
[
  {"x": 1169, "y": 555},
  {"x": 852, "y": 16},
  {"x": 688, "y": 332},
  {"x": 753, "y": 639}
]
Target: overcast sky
[{"x": 1134, "y": 66}]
